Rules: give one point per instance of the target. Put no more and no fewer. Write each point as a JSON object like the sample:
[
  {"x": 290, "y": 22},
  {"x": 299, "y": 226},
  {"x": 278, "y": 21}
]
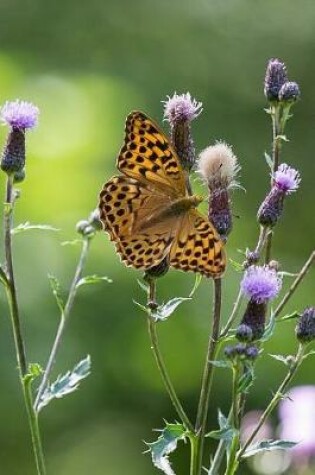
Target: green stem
[
  {"x": 193, "y": 454},
  {"x": 160, "y": 361},
  {"x": 64, "y": 317},
  {"x": 17, "y": 330},
  {"x": 276, "y": 398},
  {"x": 306, "y": 267},
  {"x": 202, "y": 413}
]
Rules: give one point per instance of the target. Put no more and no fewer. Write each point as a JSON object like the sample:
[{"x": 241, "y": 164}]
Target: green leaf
[
  {"x": 29, "y": 227},
  {"x": 222, "y": 420},
  {"x": 66, "y": 384},
  {"x": 165, "y": 444},
  {"x": 246, "y": 380},
  {"x": 166, "y": 310},
  {"x": 310, "y": 353},
  {"x": 268, "y": 445},
  {"x": 287, "y": 360},
  {"x": 268, "y": 160},
  {"x": 198, "y": 279},
  {"x": 284, "y": 138},
  {"x": 225, "y": 434},
  {"x": 143, "y": 307},
  {"x": 291, "y": 316},
  {"x": 93, "y": 279},
  {"x": 56, "y": 290}
]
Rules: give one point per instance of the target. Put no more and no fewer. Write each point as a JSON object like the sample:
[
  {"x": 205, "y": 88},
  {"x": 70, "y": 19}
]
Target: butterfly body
[{"x": 148, "y": 211}]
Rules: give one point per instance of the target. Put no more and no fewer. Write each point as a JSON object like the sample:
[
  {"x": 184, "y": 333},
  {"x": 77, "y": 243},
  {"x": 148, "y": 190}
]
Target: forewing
[
  {"x": 148, "y": 156},
  {"x": 197, "y": 247}
]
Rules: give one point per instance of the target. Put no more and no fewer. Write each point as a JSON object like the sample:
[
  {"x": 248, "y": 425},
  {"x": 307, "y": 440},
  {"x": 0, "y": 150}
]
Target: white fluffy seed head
[{"x": 218, "y": 164}]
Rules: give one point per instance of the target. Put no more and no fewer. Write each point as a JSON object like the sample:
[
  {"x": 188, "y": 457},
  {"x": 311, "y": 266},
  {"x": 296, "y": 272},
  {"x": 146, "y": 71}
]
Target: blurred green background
[{"x": 86, "y": 65}]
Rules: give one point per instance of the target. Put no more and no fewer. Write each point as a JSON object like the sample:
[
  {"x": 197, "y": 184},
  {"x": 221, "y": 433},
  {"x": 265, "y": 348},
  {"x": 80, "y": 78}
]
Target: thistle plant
[
  {"x": 236, "y": 340},
  {"x": 35, "y": 380}
]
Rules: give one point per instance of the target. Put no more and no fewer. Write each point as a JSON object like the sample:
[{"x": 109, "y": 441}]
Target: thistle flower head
[
  {"x": 305, "y": 328},
  {"x": 276, "y": 76},
  {"x": 287, "y": 179},
  {"x": 218, "y": 164},
  {"x": 289, "y": 92},
  {"x": 19, "y": 114},
  {"x": 181, "y": 108},
  {"x": 260, "y": 284}
]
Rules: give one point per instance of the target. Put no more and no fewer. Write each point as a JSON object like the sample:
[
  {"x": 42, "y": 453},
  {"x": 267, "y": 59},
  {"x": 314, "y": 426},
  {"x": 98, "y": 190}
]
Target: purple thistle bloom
[
  {"x": 287, "y": 179},
  {"x": 19, "y": 114},
  {"x": 181, "y": 108},
  {"x": 276, "y": 76},
  {"x": 260, "y": 284}
]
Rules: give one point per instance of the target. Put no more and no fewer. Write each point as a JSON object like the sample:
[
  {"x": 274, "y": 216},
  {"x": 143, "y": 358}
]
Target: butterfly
[{"x": 148, "y": 211}]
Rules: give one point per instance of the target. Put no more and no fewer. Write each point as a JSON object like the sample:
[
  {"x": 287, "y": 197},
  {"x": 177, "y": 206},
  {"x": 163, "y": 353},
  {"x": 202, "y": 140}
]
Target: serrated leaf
[
  {"x": 56, "y": 290},
  {"x": 283, "y": 359},
  {"x": 67, "y": 383},
  {"x": 198, "y": 279},
  {"x": 73, "y": 242},
  {"x": 29, "y": 227},
  {"x": 93, "y": 279},
  {"x": 268, "y": 445},
  {"x": 162, "y": 312},
  {"x": 221, "y": 363},
  {"x": 166, "y": 444},
  {"x": 246, "y": 380},
  {"x": 268, "y": 160}
]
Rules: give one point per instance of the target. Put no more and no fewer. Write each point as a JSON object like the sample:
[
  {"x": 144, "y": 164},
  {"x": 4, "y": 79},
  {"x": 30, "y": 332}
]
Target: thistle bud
[
  {"x": 305, "y": 328},
  {"x": 218, "y": 167},
  {"x": 20, "y": 116},
  {"x": 241, "y": 352},
  {"x": 276, "y": 76},
  {"x": 286, "y": 180},
  {"x": 180, "y": 111},
  {"x": 259, "y": 284},
  {"x": 289, "y": 92}
]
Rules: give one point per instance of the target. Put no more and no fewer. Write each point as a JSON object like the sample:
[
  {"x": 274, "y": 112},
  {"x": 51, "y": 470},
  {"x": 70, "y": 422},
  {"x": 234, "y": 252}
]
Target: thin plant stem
[
  {"x": 276, "y": 398},
  {"x": 202, "y": 413},
  {"x": 17, "y": 330},
  {"x": 160, "y": 361},
  {"x": 277, "y": 130},
  {"x": 306, "y": 267},
  {"x": 64, "y": 317},
  {"x": 193, "y": 454}
]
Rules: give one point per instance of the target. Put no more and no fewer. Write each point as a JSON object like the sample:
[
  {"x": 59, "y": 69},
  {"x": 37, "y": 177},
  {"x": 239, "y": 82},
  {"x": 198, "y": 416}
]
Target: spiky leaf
[
  {"x": 93, "y": 279},
  {"x": 29, "y": 227},
  {"x": 67, "y": 383},
  {"x": 166, "y": 444},
  {"x": 56, "y": 290},
  {"x": 268, "y": 445}
]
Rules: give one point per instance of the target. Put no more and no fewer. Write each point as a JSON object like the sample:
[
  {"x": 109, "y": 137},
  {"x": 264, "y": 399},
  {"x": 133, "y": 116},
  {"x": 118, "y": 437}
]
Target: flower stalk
[
  {"x": 64, "y": 317},
  {"x": 17, "y": 330},
  {"x": 202, "y": 413}
]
